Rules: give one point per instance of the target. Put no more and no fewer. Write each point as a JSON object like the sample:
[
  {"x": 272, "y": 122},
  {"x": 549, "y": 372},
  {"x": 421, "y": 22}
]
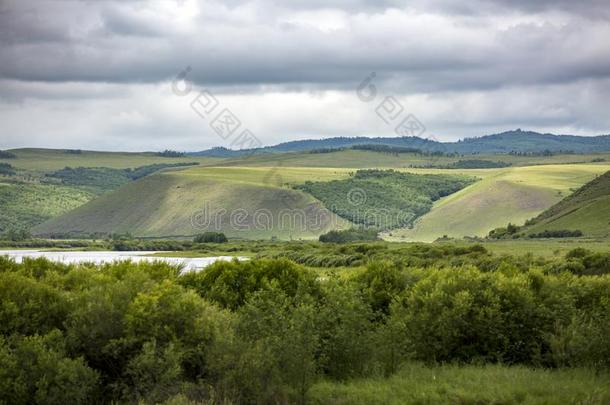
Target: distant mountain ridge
[{"x": 516, "y": 141}]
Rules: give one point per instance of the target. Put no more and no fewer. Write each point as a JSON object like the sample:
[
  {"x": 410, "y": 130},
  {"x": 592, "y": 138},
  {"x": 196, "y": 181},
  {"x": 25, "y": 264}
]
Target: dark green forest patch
[
  {"x": 384, "y": 199},
  {"x": 99, "y": 180}
]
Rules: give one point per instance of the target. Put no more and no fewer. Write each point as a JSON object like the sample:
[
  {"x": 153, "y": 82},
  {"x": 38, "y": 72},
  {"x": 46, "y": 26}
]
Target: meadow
[{"x": 164, "y": 204}]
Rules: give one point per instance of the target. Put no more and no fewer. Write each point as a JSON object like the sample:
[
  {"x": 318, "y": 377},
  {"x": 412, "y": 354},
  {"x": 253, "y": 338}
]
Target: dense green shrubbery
[
  {"x": 6, "y": 169},
  {"x": 170, "y": 154},
  {"x": 210, "y": 237},
  {"x": 24, "y": 205},
  {"x": 476, "y": 164},
  {"x": 557, "y": 233},
  {"x": 384, "y": 198},
  {"x": 349, "y": 235},
  {"x": 104, "y": 179},
  {"x": 394, "y": 150},
  {"x": 7, "y": 155},
  {"x": 264, "y": 331},
  {"x": 512, "y": 232}
]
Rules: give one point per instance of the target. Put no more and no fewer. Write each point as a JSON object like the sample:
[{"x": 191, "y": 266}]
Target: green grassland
[
  {"x": 586, "y": 210},
  {"x": 369, "y": 159},
  {"x": 46, "y": 160},
  {"x": 186, "y": 202},
  {"x": 513, "y": 194},
  {"x": 491, "y": 384},
  {"x": 24, "y": 205}
]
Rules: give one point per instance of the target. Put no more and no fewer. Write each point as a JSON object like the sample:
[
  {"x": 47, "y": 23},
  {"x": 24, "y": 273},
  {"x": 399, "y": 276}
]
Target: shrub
[
  {"x": 349, "y": 235},
  {"x": 170, "y": 154},
  {"x": 559, "y": 233},
  {"x": 7, "y": 155},
  {"x": 210, "y": 237},
  {"x": 7, "y": 170},
  {"x": 231, "y": 283}
]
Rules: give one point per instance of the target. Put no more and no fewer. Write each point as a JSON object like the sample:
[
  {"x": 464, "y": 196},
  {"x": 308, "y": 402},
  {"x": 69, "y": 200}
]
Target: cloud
[{"x": 106, "y": 61}]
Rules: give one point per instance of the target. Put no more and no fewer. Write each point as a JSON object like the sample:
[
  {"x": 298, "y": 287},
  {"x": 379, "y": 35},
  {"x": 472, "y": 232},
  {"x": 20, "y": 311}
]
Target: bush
[
  {"x": 560, "y": 233},
  {"x": 141, "y": 332},
  {"x": 211, "y": 237},
  {"x": 7, "y": 170},
  {"x": 7, "y": 155},
  {"x": 231, "y": 283},
  {"x": 349, "y": 235},
  {"x": 37, "y": 370},
  {"x": 170, "y": 154}
]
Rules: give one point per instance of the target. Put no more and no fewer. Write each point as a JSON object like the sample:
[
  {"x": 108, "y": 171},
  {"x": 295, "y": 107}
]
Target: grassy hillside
[
  {"x": 587, "y": 210},
  {"x": 24, "y": 205},
  {"x": 241, "y": 202},
  {"x": 370, "y": 159},
  {"x": 45, "y": 160},
  {"x": 502, "y": 196}
]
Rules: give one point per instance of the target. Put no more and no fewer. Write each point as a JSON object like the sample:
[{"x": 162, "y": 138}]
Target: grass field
[
  {"x": 586, "y": 210},
  {"x": 417, "y": 384},
  {"x": 503, "y": 195},
  {"x": 163, "y": 206},
  {"x": 44, "y": 160},
  {"x": 240, "y": 202},
  {"x": 369, "y": 159}
]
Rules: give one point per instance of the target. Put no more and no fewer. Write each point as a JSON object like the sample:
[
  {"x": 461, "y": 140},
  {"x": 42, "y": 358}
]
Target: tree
[{"x": 210, "y": 237}]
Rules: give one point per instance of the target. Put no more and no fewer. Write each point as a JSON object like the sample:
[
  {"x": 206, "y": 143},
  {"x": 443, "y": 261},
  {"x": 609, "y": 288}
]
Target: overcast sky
[{"x": 99, "y": 74}]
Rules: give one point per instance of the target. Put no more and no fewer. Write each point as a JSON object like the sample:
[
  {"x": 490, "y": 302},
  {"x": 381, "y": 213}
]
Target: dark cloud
[{"x": 64, "y": 52}]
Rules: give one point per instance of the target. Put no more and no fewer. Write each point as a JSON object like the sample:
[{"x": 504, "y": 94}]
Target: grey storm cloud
[
  {"x": 512, "y": 63},
  {"x": 125, "y": 42}
]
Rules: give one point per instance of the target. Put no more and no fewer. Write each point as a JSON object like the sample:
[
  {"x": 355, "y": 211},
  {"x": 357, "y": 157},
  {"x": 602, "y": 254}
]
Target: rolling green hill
[
  {"x": 46, "y": 160},
  {"x": 503, "y": 195},
  {"x": 241, "y": 202},
  {"x": 369, "y": 159},
  {"x": 586, "y": 210}
]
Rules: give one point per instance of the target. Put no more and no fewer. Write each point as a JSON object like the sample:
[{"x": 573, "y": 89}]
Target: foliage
[
  {"x": 16, "y": 235},
  {"x": 103, "y": 179},
  {"x": 384, "y": 198},
  {"x": 557, "y": 233},
  {"x": 272, "y": 331},
  {"x": 6, "y": 169},
  {"x": 7, "y": 155},
  {"x": 24, "y": 205},
  {"x": 170, "y": 154},
  {"x": 231, "y": 283},
  {"x": 37, "y": 370},
  {"x": 395, "y": 150},
  {"x": 210, "y": 237},
  {"x": 476, "y": 164},
  {"x": 349, "y": 235}
]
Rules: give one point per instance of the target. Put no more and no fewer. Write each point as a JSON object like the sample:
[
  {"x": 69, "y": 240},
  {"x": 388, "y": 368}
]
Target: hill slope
[
  {"x": 502, "y": 196},
  {"x": 515, "y": 141},
  {"x": 587, "y": 210},
  {"x": 241, "y": 202}
]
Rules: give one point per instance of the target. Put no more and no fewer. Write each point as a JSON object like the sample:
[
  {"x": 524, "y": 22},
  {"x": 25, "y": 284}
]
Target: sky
[{"x": 193, "y": 74}]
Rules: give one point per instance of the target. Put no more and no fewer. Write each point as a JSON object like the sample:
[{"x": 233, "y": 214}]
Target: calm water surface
[{"x": 189, "y": 264}]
